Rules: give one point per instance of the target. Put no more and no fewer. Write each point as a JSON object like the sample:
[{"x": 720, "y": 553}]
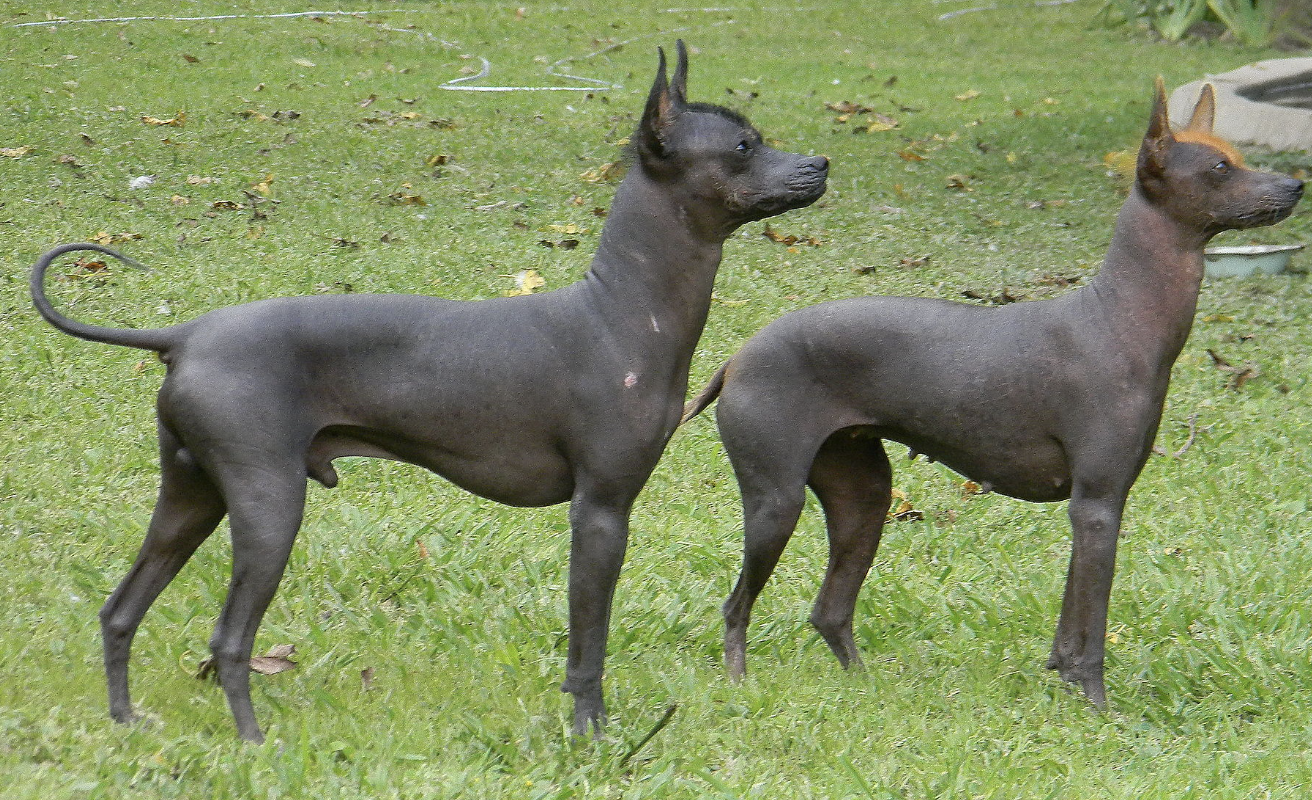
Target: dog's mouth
[
  {"x": 1266, "y": 216},
  {"x": 802, "y": 184},
  {"x": 1275, "y": 206},
  {"x": 807, "y": 194},
  {"x": 797, "y": 196},
  {"x": 807, "y": 186}
]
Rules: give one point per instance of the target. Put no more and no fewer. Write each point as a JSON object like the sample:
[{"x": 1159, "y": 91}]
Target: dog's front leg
[
  {"x": 599, "y": 522},
  {"x": 1079, "y": 646}
]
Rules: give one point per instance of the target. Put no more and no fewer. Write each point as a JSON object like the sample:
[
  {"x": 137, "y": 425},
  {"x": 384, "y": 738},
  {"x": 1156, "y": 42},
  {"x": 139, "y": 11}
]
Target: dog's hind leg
[
  {"x": 773, "y": 486},
  {"x": 266, "y": 502},
  {"x": 188, "y": 510},
  {"x": 852, "y": 479}
]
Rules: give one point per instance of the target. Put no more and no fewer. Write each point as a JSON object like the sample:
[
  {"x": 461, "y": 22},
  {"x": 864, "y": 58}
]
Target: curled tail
[
  {"x": 706, "y": 396},
  {"x": 159, "y": 339}
]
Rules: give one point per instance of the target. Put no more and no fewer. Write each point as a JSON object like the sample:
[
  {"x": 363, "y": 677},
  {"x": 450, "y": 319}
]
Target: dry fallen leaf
[
  {"x": 15, "y": 152},
  {"x": 271, "y": 663},
  {"x": 901, "y": 510},
  {"x": 88, "y": 268},
  {"x": 1059, "y": 281},
  {"x": 1121, "y": 162},
  {"x": 789, "y": 240},
  {"x": 880, "y": 124},
  {"x": 1002, "y": 298},
  {"x": 969, "y": 94},
  {"x": 275, "y": 661},
  {"x": 604, "y": 173},
  {"x": 263, "y": 187},
  {"x": 848, "y": 108},
  {"x": 404, "y": 199},
  {"x": 176, "y": 121},
  {"x": 526, "y": 282},
  {"x": 106, "y": 238}
]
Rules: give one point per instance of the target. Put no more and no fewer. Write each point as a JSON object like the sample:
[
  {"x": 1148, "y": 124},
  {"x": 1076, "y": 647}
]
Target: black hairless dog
[
  {"x": 1042, "y": 401},
  {"x": 258, "y": 397}
]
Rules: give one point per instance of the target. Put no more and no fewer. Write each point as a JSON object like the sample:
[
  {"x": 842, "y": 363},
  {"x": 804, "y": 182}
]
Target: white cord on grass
[
  {"x": 455, "y": 84},
  {"x": 64, "y": 21}
]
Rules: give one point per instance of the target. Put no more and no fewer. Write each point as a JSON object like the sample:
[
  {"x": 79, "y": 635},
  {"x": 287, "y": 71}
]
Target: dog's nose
[{"x": 819, "y": 164}]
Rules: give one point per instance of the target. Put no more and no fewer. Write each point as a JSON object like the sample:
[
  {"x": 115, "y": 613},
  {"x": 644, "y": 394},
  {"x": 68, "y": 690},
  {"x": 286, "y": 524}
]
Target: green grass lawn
[{"x": 322, "y": 155}]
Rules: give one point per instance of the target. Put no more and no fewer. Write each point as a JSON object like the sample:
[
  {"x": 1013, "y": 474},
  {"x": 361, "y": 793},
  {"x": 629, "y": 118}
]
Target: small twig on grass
[
  {"x": 1188, "y": 442},
  {"x": 1238, "y": 375},
  {"x": 664, "y": 720}
]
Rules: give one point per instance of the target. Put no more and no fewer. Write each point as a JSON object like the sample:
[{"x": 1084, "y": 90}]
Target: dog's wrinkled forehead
[
  {"x": 720, "y": 111},
  {"x": 1203, "y": 139},
  {"x": 724, "y": 120}
]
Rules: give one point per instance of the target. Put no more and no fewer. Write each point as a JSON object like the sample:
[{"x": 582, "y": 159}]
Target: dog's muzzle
[
  {"x": 809, "y": 181},
  {"x": 1278, "y": 203}
]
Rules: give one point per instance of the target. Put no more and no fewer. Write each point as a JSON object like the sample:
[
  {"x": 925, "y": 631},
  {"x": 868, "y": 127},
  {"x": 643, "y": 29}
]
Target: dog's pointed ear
[
  {"x": 1158, "y": 139},
  {"x": 1204, "y": 112},
  {"x": 664, "y": 103},
  {"x": 679, "y": 86}
]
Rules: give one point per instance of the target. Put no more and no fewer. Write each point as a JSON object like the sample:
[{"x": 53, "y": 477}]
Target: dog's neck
[
  {"x": 1149, "y": 282},
  {"x": 656, "y": 262}
]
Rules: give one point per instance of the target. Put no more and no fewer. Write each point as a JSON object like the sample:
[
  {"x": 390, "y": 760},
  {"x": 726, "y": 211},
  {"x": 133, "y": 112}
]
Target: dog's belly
[
  {"x": 529, "y": 475},
  {"x": 1029, "y": 468}
]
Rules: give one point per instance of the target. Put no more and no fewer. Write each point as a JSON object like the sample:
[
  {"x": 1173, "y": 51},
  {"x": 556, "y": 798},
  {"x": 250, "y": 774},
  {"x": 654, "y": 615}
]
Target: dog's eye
[
  {"x": 744, "y": 147},
  {"x": 1221, "y": 168}
]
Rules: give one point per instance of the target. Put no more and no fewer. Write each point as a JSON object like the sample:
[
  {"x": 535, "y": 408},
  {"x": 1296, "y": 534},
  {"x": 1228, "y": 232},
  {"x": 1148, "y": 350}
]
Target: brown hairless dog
[{"x": 1042, "y": 401}]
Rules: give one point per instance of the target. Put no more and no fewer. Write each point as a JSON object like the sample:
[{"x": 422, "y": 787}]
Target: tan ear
[
  {"x": 1204, "y": 112},
  {"x": 1158, "y": 123},
  {"x": 1152, "y": 153}
]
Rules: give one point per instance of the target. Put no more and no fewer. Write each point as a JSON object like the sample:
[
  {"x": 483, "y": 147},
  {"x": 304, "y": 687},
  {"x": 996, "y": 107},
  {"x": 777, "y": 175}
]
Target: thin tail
[
  {"x": 158, "y": 339},
  {"x": 707, "y": 396}
]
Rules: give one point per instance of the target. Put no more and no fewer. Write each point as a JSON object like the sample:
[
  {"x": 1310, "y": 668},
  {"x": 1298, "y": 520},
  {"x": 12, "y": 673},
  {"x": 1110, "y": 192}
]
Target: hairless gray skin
[
  {"x": 260, "y": 396},
  {"x": 1042, "y": 401}
]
